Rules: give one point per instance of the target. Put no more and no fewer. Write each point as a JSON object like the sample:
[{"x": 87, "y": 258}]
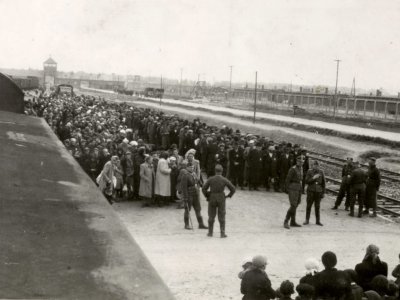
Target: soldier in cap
[
  {"x": 315, "y": 179},
  {"x": 357, "y": 182},
  {"x": 294, "y": 190},
  {"x": 345, "y": 185},
  {"x": 373, "y": 183},
  {"x": 216, "y": 199}
]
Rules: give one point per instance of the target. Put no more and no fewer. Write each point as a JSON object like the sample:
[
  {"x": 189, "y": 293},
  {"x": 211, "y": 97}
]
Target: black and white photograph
[{"x": 200, "y": 150}]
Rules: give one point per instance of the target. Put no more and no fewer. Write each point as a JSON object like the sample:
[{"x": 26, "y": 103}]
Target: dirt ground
[{"x": 195, "y": 266}]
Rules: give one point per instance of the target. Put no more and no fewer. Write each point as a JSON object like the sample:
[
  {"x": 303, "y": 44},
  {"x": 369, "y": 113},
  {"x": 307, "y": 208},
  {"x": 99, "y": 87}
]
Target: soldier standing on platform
[
  {"x": 294, "y": 189},
  {"x": 345, "y": 185},
  {"x": 357, "y": 181},
  {"x": 216, "y": 199},
  {"x": 373, "y": 183},
  {"x": 315, "y": 179}
]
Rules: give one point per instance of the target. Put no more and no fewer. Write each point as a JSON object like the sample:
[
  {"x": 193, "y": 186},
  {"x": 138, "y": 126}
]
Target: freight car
[
  {"x": 26, "y": 83},
  {"x": 153, "y": 93}
]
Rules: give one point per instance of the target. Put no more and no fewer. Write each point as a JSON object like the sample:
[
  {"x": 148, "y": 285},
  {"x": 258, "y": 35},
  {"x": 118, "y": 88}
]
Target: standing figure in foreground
[
  {"x": 357, "y": 181},
  {"x": 189, "y": 187},
  {"x": 294, "y": 189},
  {"x": 216, "y": 199},
  {"x": 345, "y": 185},
  {"x": 373, "y": 183},
  {"x": 315, "y": 179}
]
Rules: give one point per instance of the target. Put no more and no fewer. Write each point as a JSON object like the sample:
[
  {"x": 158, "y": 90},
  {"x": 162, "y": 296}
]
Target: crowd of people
[
  {"x": 368, "y": 280},
  {"x": 135, "y": 153}
]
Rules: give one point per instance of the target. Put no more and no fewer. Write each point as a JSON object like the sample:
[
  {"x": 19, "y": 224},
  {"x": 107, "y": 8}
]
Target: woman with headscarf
[
  {"x": 146, "y": 181},
  {"x": 163, "y": 182},
  {"x": 370, "y": 267}
]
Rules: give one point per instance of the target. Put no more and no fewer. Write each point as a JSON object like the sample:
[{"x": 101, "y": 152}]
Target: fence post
[
  {"x": 374, "y": 108},
  {"x": 355, "y": 107},
  {"x": 365, "y": 107},
  {"x": 386, "y": 106},
  {"x": 397, "y": 110},
  {"x": 347, "y": 106}
]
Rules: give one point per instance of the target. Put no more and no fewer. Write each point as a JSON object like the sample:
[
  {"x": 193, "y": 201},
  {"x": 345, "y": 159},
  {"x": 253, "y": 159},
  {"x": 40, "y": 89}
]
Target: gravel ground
[{"x": 197, "y": 267}]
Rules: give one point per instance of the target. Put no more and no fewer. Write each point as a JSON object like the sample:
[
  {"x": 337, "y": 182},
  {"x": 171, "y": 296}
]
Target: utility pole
[
  {"x": 353, "y": 87},
  {"x": 337, "y": 77},
  {"x": 230, "y": 79},
  {"x": 180, "y": 84},
  {"x": 255, "y": 100},
  {"x": 160, "y": 91}
]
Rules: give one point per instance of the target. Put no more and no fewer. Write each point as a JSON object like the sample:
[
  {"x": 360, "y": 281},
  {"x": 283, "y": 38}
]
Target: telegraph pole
[
  {"x": 180, "y": 84},
  {"x": 255, "y": 100},
  {"x": 337, "y": 77},
  {"x": 230, "y": 79}
]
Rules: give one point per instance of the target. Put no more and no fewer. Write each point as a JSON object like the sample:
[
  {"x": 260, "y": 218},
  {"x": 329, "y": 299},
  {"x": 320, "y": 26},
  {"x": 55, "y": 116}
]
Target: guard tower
[{"x": 49, "y": 73}]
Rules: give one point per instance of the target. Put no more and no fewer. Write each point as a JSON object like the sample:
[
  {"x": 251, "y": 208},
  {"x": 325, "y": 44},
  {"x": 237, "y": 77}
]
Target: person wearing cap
[
  {"x": 293, "y": 187},
  {"x": 188, "y": 183},
  {"x": 315, "y": 180},
  {"x": 236, "y": 165},
  {"x": 357, "y": 183},
  {"x": 255, "y": 283},
  {"x": 345, "y": 185},
  {"x": 372, "y": 187},
  {"x": 254, "y": 160},
  {"x": 370, "y": 267},
  {"x": 213, "y": 189},
  {"x": 285, "y": 162}
]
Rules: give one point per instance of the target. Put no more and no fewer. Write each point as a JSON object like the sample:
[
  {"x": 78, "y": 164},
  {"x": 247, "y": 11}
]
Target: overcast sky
[{"x": 285, "y": 41}]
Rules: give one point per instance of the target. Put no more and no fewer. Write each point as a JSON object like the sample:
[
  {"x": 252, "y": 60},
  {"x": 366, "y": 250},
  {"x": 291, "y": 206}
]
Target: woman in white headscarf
[{"x": 107, "y": 178}]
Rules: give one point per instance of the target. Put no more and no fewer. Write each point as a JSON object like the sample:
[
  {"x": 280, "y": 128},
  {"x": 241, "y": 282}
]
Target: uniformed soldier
[
  {"x": 294, "y": 190},
  {"x": 189, "y": 186},
  {"x": 373, "y": 183},
  {"x": 216, "y": 199},
  {"x": 345, "y": 185},
  {"x": 357, "y": 181},
  {"x": 315, "y": 179}
]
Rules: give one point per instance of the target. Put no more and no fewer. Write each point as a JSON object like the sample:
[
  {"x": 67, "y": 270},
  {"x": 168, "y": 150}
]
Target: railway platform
[{"x": 59, "y": 237}]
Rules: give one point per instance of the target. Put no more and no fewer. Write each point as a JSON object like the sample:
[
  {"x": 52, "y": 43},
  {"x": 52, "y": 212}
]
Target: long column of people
[{"x": 135, "y": 153}]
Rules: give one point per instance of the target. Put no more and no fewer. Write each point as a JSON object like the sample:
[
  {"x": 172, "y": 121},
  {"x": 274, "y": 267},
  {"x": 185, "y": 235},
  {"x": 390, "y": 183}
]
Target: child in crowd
[
  {"x": 285, "y": 291},
  {"x": 247, "y": 266},
  {"x": 305, "y": 291}
]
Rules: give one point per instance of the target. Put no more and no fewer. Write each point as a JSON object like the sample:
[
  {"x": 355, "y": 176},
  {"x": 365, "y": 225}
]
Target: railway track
[
  {"x": 390, "y": 207},
  {"x": 328, "y": 159}
]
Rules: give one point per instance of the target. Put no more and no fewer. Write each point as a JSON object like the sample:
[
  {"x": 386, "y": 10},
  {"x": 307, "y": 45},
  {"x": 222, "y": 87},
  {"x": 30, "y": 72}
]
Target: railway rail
[
  {"x": 328, "y": 159},
  {"x": 388, "y": 205}
]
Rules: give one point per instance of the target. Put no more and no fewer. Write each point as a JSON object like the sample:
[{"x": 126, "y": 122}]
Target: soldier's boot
[
  {"x": 222, "y": 226},
  {"x": 186, "y": 219},
  {"x": 351, "y": 214},
  {"x": 293, "y": 221},
  {"x": 286, "y": 222},
  {"x": 210, "y": 228},
  {"x": 317, "y": 217},
  {"x": 307, "y": 221},
  {"x": 201, "y": 223}
]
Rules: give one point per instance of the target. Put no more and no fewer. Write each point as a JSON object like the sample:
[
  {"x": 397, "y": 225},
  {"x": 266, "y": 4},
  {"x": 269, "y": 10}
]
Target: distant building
[{"x": 49, "y": 73}]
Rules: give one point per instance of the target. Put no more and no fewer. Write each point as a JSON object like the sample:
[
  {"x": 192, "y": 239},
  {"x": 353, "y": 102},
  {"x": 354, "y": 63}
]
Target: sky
[{"x": 283, "y": 40}]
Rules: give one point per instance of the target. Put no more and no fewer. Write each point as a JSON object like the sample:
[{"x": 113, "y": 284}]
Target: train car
[
  {"x": 65, "y": 89},
  {"x": 153, "y": 93}
]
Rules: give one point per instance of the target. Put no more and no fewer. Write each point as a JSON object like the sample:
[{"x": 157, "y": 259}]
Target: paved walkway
[{"x": 391, "y": 136}]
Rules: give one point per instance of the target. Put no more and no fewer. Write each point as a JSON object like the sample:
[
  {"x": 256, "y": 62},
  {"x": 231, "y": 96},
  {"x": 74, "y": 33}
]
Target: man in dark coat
[
  {"x": 357, "y": 182},
  {"x": 293, "y": 187},
  {"x": 236, "y": 165},
  {"x": 216, "y": 199},
  {"x": 254, "y": 161},
  {"x": 212, "y": 150},
  {"x": 221, "y": 158},
  {"x": 370, "y": 267},
  {"x": 315, "y": 180},
  {"x": 306, "y": 167},
  {"x": 255, "y": 283},
  {"x": 345, "y": 185},
  {"x": 285, "y": 162},
  {"x": 372, "y": 188}
]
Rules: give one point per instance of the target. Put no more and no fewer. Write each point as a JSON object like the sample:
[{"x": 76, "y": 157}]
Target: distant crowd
[
  {"x": 368, "y": 280},
  {"x": 126, "y": 137}
]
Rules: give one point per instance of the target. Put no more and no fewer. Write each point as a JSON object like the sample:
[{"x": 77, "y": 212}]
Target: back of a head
[
  {"x": 329, "y": 259},
  {"x": 351, "y": 274},
  {"x": 286, "y": 288},
  {"x": 380, "y": 284},
  {"x": 259, "y": 261},
  {"x": 218, "y": 169},
  {"x": 305, "y": 291},
  {"x": 393, "y": 289}
]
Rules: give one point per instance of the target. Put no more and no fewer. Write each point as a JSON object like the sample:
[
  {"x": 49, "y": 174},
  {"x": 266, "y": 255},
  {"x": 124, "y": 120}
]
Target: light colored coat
[
  {"x": 146, "y": 180},
  {"x": 163, "y": 180},
  {"x": 106, "y": 175}
]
